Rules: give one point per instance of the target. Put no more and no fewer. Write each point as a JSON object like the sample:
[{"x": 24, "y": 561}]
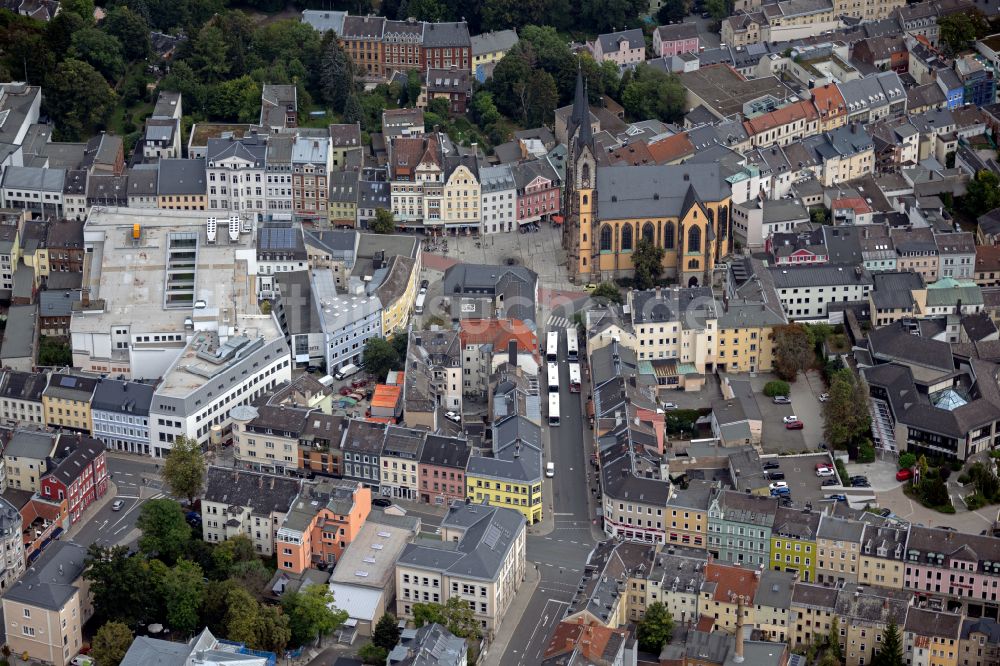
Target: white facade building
[
  {"x": 120, "y": 414},
  {"x": 347, "y": 320},
  {"x": 807, "y": 291},
  {"x": 499, "y": 198},
  {"x": 236, "y": 175}
]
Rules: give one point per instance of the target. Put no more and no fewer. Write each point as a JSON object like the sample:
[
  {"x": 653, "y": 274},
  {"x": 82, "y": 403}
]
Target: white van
[
  {"x": 346, "y": 371},
  {"x": 550, "y": 469}
]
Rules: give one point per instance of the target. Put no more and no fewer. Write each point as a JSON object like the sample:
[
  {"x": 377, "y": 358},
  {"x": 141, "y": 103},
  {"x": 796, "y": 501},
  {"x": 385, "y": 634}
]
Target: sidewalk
[{"x": 512, "y": 617}]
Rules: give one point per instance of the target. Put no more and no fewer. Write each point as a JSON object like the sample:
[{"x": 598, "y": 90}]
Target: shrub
[
  {"x": 975, "y": 501},
  {"x": 776, "y": 387},
  {"x": 944, "y": 473},
  {"x": 956, "y": 465},
  {"x": 866, "y": 452},
  {"x": 963, "y": 479},
  {"x": 907, "y": 461},
  {"x": 845, "y": 478}
]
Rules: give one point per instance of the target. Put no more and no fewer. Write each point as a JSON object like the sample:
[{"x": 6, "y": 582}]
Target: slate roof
[
  {"x": 630, "y": 192},
  {"x": 819, "y": 276},
  {"x": 893, "y": 291},
  {"x": 49, "y": 582},
  {"x": 493, "y": 42},
  {"x": 447, "y": 34},
  {"x": 181, "y": 176},
  {"x": 23, "y": 385},
  {"x": 634, "y": 40},
  {"x": 75, "y": 454},
  {"x": 30, "y": 444},
  {"x": 263, "y": 493},
  {"x": 115, "y": 395},
  {"x": 488, "y": 534}
]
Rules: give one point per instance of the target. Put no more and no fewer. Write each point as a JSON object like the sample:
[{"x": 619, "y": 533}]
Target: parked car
[
  {"x": 829, "y": 482},
  {"x": 838, "y": 498},
  {"x": 670, "y": 405},
  {"x": 312, "y": 369},
  {"x": 771, "y": 464},
  {"x": 778, "y": 484},
  {"x": 904, "y": 475},
  {"x": 885, "y": 513},
  {"x": 381, "y": 501},
  {"x": 781, "y": 400},
  {"x": 117, "y": 505},
  {"x": 795, "y": 425},
  {"x": 776, "y": 475},
  {"x": 823, "y": 397},
  {"x": 345, "y": 390},
  {"x": 453, "y": 417},
  {"x": 790, "y": 419},
  {"x": 781, "y": 492},
  {"x": 858, "y": 478},
  {"x": 424, "y": 284},
  {"x": 861, "y": 483},
  {"x": 359, "y": 383},
  {"x": 825, "y": 471}
]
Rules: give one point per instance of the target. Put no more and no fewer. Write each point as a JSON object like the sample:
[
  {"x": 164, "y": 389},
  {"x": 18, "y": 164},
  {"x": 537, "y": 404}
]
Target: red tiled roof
[
  {"x": 731, "y": 581},
  {"x": 787, "y": 114},
  {"x": 499, "y": 333},
  {"x": 671, "y": 148}
]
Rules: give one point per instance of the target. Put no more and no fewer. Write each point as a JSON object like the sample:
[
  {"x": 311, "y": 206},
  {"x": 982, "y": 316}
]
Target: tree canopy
[
  {"x": 165, "y": 533},
  {"x": 982, "y": 194},
  {"x": 647, "y": 259},
  {"x": 110, "y": 643},
  {"x": 184, "y": 468},
  {"x": 379, "y": 358},
  {"x": 793, "y": 351},
  {"x": 312, "y": 613},
  {"x": 652, "y": 93},
  {"x": 846, "y": 415},
  {"x": 655, "y": 628}
]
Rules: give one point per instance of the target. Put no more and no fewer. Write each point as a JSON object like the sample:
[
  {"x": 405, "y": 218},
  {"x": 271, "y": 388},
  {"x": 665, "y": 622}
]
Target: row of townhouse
[{"x": 685, "y": 332}]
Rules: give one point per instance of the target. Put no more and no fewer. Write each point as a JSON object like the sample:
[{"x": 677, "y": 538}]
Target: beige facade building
[
  {"x": 45, "y": 611},
  {"x": 481, "y": 560},
  {"x": 24, "y": 458},
  {"x": 838, "y": 544},
  {"x": 246, "y": 503}
]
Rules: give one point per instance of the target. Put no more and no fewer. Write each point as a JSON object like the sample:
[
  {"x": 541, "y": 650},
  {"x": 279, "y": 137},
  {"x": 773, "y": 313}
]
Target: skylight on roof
[{"x": 948, "y": 399}]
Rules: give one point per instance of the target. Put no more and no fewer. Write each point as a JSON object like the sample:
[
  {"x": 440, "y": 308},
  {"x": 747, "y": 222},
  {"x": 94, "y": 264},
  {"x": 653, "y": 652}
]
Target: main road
[
  {"x": 137, "y": 480},
  {"x": 561, "y": 554}
]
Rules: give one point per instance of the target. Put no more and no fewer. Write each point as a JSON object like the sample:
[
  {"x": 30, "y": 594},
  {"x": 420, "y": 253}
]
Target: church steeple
[{"x": 579, "y": 125}]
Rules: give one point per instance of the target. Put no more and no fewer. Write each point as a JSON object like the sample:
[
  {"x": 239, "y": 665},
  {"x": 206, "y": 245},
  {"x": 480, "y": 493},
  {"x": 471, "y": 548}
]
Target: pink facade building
[
  {"x": 671, "y": 40},
  {"x": 538, "y": 190},
  {"x": 627, "y": 47},
  {"x": 943, "y": 562},
  {"x": 441, "y": 470}
]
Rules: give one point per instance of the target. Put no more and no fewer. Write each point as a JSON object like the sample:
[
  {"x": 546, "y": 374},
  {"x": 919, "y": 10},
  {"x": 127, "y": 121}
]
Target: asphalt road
[
  {"x": 561, "y": 554},
  {"x": 107, "y": 527}
]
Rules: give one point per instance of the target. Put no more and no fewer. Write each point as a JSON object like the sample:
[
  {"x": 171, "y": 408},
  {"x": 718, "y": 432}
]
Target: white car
[
  {"x": 550, "y": 470},
  {"x": 778, "y": 484},
  {"x": 670, "y": 405},
  {"x": 825, "y": 471},
  {"x": 823, "y": 397},
  {"x": 453, "y": 417},
  {"x": 790, "y": 419}
]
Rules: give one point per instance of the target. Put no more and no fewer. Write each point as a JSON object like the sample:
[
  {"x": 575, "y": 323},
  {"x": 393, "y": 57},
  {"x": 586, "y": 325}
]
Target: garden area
[{"x": 929, "y": 483}]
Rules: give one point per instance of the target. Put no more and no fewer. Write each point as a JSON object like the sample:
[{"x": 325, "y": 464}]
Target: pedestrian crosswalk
[{"x": 555, "y": 322}]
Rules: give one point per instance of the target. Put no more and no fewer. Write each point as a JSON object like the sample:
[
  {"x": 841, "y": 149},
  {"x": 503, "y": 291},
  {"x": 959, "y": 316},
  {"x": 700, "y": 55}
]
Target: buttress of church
[{"x": 682, "y": 208}]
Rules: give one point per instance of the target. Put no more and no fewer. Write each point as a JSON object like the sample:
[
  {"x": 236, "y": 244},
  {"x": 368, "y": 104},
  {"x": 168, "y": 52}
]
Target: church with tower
[{"x": 684, "y": 209}]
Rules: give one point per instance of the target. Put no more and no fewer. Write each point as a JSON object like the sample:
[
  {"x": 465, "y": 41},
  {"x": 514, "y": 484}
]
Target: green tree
[
  {"x": 386, "y": 633},
  {"x": 336, "y": 74},
  {"x": 131, "y": 30},
  {"x": 231, "y": 552},
  {"x": 54, "y": 352},
  {"x": 833, "y": 640},
  {"x": 608, "y": 15},
  {"x": 652, "y": 93},
  {"x": 433, "y": 11},
  {"x": 241, "y": 616},
  {"x": 209, "y": 54},
  {"x": 776, "y": 387},
  {"x": 110, "y": 643},
  {"x": 672, "y": 10},
  {"x": 982, "y": 194},
  {"x": 655, "y": 628},
  {"x": 183, "y": 79},
  {"x": 985, "y": 480},
  {"x": 372, "y": 654},
  {"x": 484, "y": 110},
  {"x": 719, "y": 9},
  {"x": 891, "y": 651},
  {"x": 846, "y": 414},
  {"x": 272, "y": 629},
  {"x": 793, "y": 351},
  {"x": 379, "y": 358},
  {"x": 60, "y": 30},
  {"x": 819, "y": 215},
  {"x": 907, "y": 461},
  {"x": 164, "y": 530},
  {"x": 934, "y": 492},
  {"x": 647, "y": 259},
  {"x": 184, "y": 468},
  {"x": 384, "y": 222},
  {"x": 78, "y": 98},
  {"x": 312, "y": 613},
  {"x": 412, "y": 87},
  {"x": 183, "y": 591},
  {"x": 235, "y": 100},
  {"x": 428, "y": 613},
  {"x": 866, "y": 452},
  {"x": 82, "y": 8},
  {"x": 607, "y": 291},
  {"x": 353, "y": 113},
  {"x": 959, "y": 30},
  {"x": 122, "y": 587}
]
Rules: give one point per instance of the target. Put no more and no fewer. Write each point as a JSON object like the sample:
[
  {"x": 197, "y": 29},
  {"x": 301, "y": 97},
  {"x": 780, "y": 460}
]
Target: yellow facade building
[
  {"x": 66, "y": 402},
  {"x": 793, "y": 543}
]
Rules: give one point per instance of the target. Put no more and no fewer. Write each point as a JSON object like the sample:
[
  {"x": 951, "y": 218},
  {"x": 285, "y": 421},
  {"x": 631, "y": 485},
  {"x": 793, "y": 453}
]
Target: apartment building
[
  {"x": 461, "y": 193},
  {"x": 119, "y": 411},
  {"x": 838, "y": 550},
  {"x": 400, "y": 459},
  {"x": 312, "y": 164},
  {"x": 25, "y": 459},
  {"x": 266, "y": 437},
  {"x": 346, "y": 321},
  {"x": 181, "y": 184},
  {"x": 498, "y": 191},
  {"x": 740, "y": 527},
  {"x": 481, "y": 560},
  {"x": 402, "y": 45},
  {"x": 446, "y": 45},
  {"x": 212, "y": 376},
  {"x": 361, "y": 37},
  {"x": 539, "y": 190},
  {"x": 512, "y": 477},
  {"x": 66, "y": 402},
  {"x": 21, "y": 397},
  {"x": 806, "y": 292},
  {"x": 677, "y": 324},
  {"x": 45, "y": 611},
  {"x": 882, "y": 555},
  {"x": 442, "y": 469},
  {"x": 793, "y": 542},
  {"x": 626, "y": 47},
  {"x": 34, "y": 189},
  {"x": 78, "y": 474},
  {"x": 11, "y": 544},
  {"x": 931, "y": 638},
  {"x": 278, "y": 174},
  {"x": 236, "y": 175},
  {"x": 324, "y": 519},
  {"x": 250, "y": 504}
]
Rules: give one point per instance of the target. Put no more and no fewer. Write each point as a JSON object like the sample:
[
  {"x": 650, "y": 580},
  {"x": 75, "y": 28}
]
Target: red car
[
  {"x": 795, "y": 425},
  {"x": 904, "y": 475},
  {"x": 359, "y": 383},
  {"x": 344, "y": 390}
]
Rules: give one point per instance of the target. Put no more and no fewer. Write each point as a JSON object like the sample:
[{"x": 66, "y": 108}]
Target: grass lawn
[{"x": 138, "y": 113}]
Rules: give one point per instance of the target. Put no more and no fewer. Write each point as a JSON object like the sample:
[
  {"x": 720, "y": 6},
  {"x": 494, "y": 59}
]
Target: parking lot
[
  {"x": 800, "y": 475},
  {"x": 805, "y": 404}
]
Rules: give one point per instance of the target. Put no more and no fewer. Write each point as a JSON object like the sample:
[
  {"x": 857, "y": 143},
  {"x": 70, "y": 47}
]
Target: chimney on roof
[{"x": 738, "y": 658}]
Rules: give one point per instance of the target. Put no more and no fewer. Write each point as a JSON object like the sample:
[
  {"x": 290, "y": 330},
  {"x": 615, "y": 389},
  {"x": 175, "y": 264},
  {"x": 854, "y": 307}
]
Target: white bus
[
  {"x": 574, "y": 377},
  {"x": 552, "y": 346},
  {"x": 418, "y": 307},
  {"x": 553, "y": 377},
  {"x": 572, "y": 345},
  {"x": 553, "y": 409}
]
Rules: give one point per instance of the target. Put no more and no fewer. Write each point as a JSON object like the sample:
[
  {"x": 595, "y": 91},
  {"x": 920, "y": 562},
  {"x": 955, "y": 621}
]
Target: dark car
[
  {"x": 771, "y": 464},
  {"x": 776, "y": 476},
  {"x": 830, "y": 482},
  {"x": 312, "y": 369},
  {"x": 885, "y": 513},
  {"x": 861, "y": 483},
  {"x": 382, "y": 502},
  {"x": 838, "y": 498},
  {"x": 424, "y": 284},
  {"x": 706, "y": 15}
]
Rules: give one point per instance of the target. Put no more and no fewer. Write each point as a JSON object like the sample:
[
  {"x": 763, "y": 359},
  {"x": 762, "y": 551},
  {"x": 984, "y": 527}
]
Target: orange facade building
[{"x": 325, "y": 518}]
